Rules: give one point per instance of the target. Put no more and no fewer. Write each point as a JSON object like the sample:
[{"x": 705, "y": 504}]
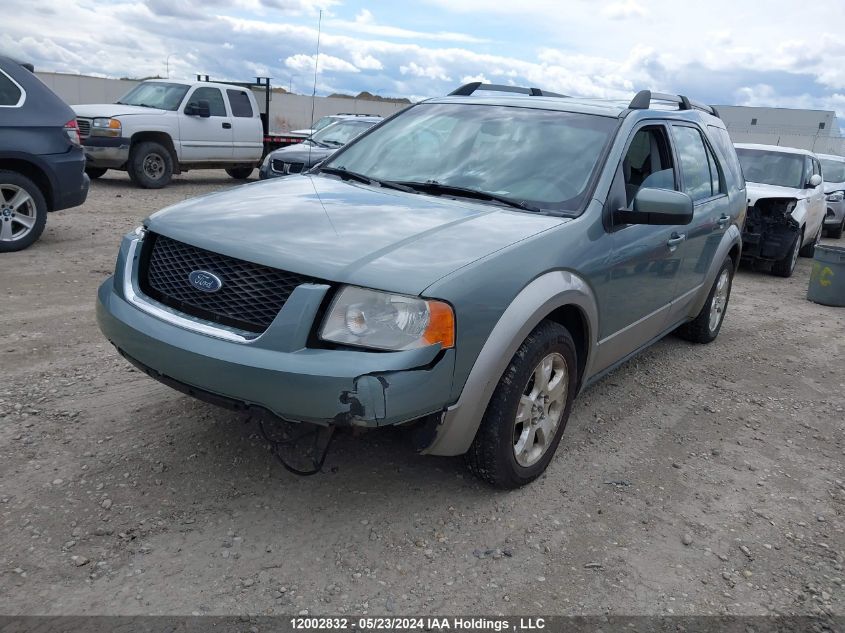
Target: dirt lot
[{"x": 693, "y": 480}]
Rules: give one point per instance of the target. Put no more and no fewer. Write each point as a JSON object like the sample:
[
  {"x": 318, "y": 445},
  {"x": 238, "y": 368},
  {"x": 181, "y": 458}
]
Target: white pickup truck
[{"x": 163, "y": 127}]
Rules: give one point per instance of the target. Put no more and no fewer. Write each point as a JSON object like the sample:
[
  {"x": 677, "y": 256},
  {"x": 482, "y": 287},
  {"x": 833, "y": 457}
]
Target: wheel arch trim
[{"x": 539, "y": 299}]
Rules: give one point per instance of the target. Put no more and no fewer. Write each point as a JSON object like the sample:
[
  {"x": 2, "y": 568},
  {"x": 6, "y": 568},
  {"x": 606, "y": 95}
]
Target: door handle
[
  {"x": 227, "y": 126},
  {"x": 723, "y": 220},
  {"x": 676, "y": 239}
]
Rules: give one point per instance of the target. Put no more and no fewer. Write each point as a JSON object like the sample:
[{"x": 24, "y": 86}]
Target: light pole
[{"x": 167, "y": 64}]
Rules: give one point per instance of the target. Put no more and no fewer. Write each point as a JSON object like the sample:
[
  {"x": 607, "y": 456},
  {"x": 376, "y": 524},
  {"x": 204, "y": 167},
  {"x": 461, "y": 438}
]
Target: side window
[
  {"x": 240, "y": 103},
  {"x": 214, "y": 98},
  {"x": 698, "y": 165},
  {"x": 817, "y": 168},
  {"x": 648, "y": 162},
  {"x": 10, "y": 94},
  {"x": 722, "y": 140}
]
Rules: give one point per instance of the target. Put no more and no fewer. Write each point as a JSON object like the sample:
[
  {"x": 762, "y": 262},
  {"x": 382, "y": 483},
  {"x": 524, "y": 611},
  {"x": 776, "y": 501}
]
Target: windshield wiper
[
  {"x": 351, "y": 175},
  {"x": 434, "y": 187},
  {"x": 317, "y": 143}
]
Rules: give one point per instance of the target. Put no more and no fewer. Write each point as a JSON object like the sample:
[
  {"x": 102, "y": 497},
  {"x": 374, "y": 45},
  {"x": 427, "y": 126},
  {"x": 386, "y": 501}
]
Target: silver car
[{"x": 833, "y": 171}]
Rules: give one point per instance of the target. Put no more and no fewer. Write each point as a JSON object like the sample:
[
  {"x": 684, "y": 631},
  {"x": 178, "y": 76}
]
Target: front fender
[{"x": 535, "y": 302}]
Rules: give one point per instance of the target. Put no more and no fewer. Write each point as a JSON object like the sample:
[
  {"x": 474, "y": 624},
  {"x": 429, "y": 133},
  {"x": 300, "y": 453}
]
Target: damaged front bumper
[
  {"x": 770, "y": 230},
  {"x": 275, "y": 371}
]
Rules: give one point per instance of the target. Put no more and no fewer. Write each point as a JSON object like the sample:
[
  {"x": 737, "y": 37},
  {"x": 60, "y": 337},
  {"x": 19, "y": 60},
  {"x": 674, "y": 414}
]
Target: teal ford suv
[{"x": 464, "y": 269}]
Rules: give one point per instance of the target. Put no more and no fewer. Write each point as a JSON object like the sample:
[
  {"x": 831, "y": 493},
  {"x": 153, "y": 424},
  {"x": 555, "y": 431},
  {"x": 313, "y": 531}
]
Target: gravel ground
[{"x": 693, "y": 480}]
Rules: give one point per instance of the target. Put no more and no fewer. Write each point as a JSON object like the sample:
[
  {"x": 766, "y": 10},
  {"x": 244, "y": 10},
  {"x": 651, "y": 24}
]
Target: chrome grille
[
  {"x": 281, "y": 167},
  {"x": 84, "y": 127},
  {"x": 250, "y": 297}
]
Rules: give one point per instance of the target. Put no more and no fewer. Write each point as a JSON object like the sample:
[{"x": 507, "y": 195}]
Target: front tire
[
  {"x": 23, "y": 212},
  {"x": 705, "y": 327},
  {"x": 95, "y": 172},
  {"x": 526, "y": 416},
  {"x": 240, "y": 173},
  {"x": 150, "y": 165},
  {"x": 786, "y": 266},
  {"x": 810, "y": 249}
]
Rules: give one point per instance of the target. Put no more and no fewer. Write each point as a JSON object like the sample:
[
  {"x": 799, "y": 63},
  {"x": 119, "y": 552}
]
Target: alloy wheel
[
  {"x": 540, "y": 409},
  {"x": 17, "y": 213},
  {"x": 720, "y": 300}
]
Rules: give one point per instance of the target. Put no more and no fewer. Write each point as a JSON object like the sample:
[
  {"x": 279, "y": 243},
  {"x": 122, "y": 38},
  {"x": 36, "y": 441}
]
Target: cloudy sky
[{"x": 746, "y": 52}]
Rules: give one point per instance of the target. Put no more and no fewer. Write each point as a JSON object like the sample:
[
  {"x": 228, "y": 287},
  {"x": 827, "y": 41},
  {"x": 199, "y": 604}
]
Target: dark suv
[{"x": 41, "y": 161}]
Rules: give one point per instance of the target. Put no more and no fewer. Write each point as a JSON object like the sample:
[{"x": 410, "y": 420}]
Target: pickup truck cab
[{"x": 162, "y": 127}]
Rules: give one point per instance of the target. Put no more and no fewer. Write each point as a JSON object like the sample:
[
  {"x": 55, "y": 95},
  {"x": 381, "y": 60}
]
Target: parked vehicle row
[{"x": 462, "y": 270}]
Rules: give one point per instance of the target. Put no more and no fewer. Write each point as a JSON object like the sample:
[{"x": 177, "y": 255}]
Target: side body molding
[{"x": 537, "y": 300}]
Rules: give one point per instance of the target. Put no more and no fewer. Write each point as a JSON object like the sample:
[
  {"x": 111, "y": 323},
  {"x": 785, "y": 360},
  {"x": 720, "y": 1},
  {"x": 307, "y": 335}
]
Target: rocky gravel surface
[{"x": 693, "y": 480}]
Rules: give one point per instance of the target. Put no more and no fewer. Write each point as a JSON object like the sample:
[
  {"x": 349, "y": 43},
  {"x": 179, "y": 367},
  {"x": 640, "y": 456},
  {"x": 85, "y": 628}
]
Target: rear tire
[
  {"x": 95, "y": 172},
  {"x": 786, "y": 266},
  {"x": 837, "y": 232},
  {"x": 526, "y": 416},
  {"x": 240, "y": 173},
  {"x": 705, "y": 327},
  {"x": 23, "y": 212},
  {"x": 150, "y": 165}
]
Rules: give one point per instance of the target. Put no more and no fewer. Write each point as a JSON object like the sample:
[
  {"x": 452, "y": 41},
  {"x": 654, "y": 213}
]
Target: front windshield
[
  {"x": 833, "y": 170},
  {"x": 155, "y": 94},
  {"x": 323, "y": 122},
  {"x": 341, "y": 133},
  {"x": 770, "y": 167},
  {"x": 545, "y": 158}
]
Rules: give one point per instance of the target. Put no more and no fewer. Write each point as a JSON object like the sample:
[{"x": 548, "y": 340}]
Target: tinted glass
[
  {"x": 695, "y": 164},
  {"x": 341, "y": 133},
  {"x": 240, "y": 103},
  {"x": 833, "y": 170},
  {"x": 154, "y": 94},
  {"x": 214, "y": 97},
  {"x": 770, "y": 167},
  {"x": 546, "y": 158},
  {"x": 10, "y": 94}
]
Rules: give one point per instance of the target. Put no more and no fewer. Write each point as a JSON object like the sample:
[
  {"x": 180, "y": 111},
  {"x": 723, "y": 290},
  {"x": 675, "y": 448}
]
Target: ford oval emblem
[{"x": 205, "y": 281}]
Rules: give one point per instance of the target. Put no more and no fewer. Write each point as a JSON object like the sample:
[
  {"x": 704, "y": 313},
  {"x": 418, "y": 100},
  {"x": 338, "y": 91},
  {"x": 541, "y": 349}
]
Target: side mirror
[
  {"x": 657, "y": 207},
  {"x": 815, "y": 180},
  {"x": 199, "y": 108}
]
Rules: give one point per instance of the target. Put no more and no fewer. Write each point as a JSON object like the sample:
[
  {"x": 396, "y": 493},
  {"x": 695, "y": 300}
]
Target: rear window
[
  {"x": 10, "y": 93},
  {"x": 241, "y": 106}
]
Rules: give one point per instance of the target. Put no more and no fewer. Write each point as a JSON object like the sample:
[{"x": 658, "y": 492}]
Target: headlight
[
  {"x": 381, "y": 320},
  {"x": 105, "y": 127},
  {"x": 836, "y": 196}
]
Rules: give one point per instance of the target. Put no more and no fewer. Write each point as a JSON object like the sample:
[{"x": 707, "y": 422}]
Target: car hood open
[
  {"x": 329, "y": 229},
  {"x": 91, "y": 110},
  {"x": 757, "y": 190}
]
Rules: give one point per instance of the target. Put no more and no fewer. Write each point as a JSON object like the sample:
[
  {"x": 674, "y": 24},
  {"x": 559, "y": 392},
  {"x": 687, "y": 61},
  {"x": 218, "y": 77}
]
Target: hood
[
  {"x": 756, "y": 190},
  {"x": 299, "y": 153},
  {"x": 830, "y": 187},
  {"x": 91, "y": 110},
  {"x": 303, "y": 132},
  {"x": 322, "y": 227}
]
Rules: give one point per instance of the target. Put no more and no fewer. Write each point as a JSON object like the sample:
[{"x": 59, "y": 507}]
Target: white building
[{"x": 815, "y": 130}]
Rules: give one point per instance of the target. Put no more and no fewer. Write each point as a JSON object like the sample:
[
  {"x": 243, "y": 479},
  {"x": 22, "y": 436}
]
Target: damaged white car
[{"x": 786, "y": 205}]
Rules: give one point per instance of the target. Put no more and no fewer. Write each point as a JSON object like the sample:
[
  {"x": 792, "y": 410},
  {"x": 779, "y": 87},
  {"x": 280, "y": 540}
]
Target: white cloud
[
  {"x": 624, "y": 9},
  {"x": 328, "y": 63}
]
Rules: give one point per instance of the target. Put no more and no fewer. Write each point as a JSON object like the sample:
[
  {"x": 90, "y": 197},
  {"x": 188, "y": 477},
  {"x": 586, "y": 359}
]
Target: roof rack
[
  {"x": 642, "y": 101},
  {"x": 467, "y": 89}
]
